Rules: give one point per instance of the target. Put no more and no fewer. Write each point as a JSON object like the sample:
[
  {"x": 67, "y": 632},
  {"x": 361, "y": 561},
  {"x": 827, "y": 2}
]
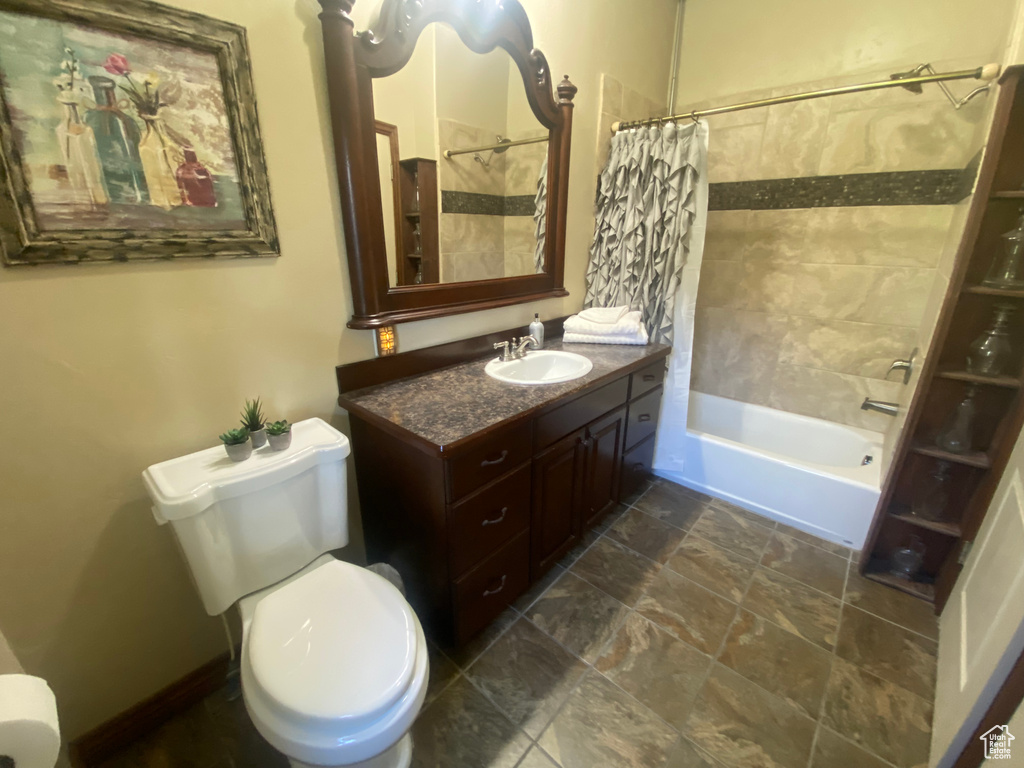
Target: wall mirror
[{"x": 453, "y": 156}]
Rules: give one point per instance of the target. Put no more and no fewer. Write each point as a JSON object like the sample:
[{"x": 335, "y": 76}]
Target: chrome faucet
[
  {"x": 889, "y": 409},
  {"x": 507, "y": 352},
  {"x": 521, "y": 346}
]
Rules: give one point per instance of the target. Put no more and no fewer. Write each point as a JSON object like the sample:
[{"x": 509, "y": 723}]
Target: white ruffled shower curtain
[{"x": 648, "y": 245}]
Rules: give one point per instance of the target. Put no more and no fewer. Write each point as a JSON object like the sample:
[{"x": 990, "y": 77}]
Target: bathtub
[{"x": 801, "y": 471}]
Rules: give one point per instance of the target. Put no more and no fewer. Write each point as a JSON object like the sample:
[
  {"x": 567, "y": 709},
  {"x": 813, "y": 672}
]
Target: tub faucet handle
[{"x": 907, "y": 366}]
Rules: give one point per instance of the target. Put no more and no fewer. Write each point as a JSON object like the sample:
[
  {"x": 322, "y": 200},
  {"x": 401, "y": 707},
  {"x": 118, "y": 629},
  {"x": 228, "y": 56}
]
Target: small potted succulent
[
  {"x": 279, "y": 433},
  {"x": 237, "y": 444},
  {"x": 253, "y": 420}
]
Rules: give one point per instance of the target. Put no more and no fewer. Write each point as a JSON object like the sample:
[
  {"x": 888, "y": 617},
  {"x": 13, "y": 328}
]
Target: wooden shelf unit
[
  {"x": 418, "y": 182},
  {"x": 967, "y": 312}
]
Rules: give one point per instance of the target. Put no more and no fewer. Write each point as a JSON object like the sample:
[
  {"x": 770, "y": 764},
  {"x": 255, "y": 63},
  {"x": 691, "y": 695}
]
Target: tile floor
[{"x": 683, "y": 633}]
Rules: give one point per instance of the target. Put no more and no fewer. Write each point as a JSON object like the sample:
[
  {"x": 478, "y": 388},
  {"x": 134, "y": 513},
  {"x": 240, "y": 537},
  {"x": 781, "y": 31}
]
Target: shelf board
[
  {"x": 946, "y": 529},
  {"x": 973, "y": 378},
  {"x": 412, "y": 215},
  {"x": 984, "y": 290},
  {"x": 1009, "y": 194},
  {"x": 918, "y": 589},
  {"x": 977, "y": 459}
]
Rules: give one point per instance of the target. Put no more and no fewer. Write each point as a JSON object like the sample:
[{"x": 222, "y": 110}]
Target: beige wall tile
[
  {"x": 898, "y": 138},
  {"x": 635, "y": 106},
  {"x": 897, "y": 296},
  {"x": 478, "y": 266},
  {"x": 734, "y": 353},
  {"x": 518, "y": 263},
  {"x": 860, "y": 349},
  {"x": 794, "y": 137},
  {"x": 728, "y": 235},
  {"x": 522, "y": 169},
  {"x": 604, "y": 138},
  {"x": 871, "y": 235},
  {"x": 831, "y": 396},
  {"x": 734, "y": 153},
  {"x": 520, "y": 234},
  {"x": 720, "y": 284},
  {"x": 471, "y": 232},
  {"x": 462, "y": 173}
]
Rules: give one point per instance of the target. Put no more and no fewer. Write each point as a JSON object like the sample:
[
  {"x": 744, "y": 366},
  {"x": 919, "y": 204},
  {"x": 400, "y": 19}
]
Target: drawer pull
[
  {"x": 492, "y": 462},
  {"x": 649, "y": 377},
  {"x": 498, "y": 519},
  {"x": 643, "y": 417},
  {"x": 489, "y": 592},
  {"x": 639, "y": 466}
]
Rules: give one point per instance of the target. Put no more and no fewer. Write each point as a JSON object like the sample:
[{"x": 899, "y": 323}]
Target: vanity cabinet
[{"x": 471, "y": 525}]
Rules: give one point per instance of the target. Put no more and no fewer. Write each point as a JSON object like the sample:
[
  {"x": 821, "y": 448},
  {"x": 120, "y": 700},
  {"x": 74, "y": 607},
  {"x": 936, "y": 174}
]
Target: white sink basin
[{"x": 540, "y": 367}]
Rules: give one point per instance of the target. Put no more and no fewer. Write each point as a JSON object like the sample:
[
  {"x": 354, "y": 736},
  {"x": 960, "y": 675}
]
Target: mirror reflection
[{"x": 463, "y": 167}]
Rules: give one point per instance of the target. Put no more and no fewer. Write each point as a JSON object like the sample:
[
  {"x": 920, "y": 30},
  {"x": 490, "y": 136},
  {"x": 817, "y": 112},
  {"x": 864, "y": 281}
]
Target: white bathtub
[{"x": 804, "y": 472}]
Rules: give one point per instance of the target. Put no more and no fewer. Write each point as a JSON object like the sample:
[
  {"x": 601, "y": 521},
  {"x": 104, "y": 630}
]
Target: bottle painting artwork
[{"x": 137, "y": 136}]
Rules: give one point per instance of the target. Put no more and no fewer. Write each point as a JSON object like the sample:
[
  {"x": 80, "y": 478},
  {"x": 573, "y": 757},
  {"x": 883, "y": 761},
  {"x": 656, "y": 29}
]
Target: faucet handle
[{"x": 907, "y": 366}]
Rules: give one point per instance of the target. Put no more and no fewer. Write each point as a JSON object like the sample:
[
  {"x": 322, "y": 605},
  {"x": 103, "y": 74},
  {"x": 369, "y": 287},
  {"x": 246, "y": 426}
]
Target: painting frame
[{"x": 24, "y": 242}]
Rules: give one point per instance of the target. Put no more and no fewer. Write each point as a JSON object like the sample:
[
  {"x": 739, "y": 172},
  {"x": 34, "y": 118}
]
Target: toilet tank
[{"x": 243, "y": 526}]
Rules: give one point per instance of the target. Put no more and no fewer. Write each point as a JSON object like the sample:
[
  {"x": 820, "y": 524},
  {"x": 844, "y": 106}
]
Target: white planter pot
[
  {"x": 259, "y": 438},
  {"x": 280, "y": 442},
  {"x": 239, "y": 452}
]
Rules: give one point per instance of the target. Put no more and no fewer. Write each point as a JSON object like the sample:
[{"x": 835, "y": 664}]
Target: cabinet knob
[
  {"x": 649, "y": 377},
  {"x": 643, "y": 417},
  {"x": 498, "y": 519},
  {"x": 492, "y": 462},
  {"x": 489, "y": 592}
]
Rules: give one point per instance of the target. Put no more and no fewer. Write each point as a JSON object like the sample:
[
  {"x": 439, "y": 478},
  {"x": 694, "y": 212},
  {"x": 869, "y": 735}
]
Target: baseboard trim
[{"x": 107, "y": 738}]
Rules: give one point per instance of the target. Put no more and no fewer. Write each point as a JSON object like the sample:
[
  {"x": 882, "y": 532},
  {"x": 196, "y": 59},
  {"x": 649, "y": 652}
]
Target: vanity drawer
[
  {"x": 636, "y": 468},
  {"x": 488, "y": 459},
  {"x": 555, "y": 425},
  {"x": 643, "y": 417},
  {"x": 482, "y": 522},
  {"x": 646, "y": 379},
  {"x": 484, "y": 592}
]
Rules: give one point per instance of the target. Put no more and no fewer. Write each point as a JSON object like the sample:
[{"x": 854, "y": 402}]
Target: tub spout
[{"x": 889, "y": 409}]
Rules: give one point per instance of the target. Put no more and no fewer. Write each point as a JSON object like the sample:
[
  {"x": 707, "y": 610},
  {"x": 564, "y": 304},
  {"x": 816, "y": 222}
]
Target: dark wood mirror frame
[{"x": 352, "y": 63}]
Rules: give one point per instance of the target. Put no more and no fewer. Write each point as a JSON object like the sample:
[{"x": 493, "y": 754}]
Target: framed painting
[{"x": 128, "y": 131}]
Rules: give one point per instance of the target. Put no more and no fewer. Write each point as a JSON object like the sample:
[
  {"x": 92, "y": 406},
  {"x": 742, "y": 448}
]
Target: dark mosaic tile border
[
  {"x": 487, "y": 205},
  {"x": 938, "y": 187}
]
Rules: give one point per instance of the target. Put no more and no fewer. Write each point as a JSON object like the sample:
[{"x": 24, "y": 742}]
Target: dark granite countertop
[{"x": 446, "y": 406}]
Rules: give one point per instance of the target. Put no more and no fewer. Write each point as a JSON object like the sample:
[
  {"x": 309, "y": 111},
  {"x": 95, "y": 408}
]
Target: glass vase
[
  {"x": 1008, "y": 271},
  {"x": 906, "y": 561},
  {"x": 958, "y": 434},
  {"x": 78, "y": 149},
  {"x": 117, "y": 143},
  {"x": 990, "y": 353},
  {"x": 159, "y": 161},
  {"x": 931, "y": 501}
]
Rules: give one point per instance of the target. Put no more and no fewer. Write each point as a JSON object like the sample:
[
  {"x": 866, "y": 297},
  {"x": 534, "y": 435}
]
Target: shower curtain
[
  {"x": 540, "y": 216},
  {"x": 648, "y": 244}
]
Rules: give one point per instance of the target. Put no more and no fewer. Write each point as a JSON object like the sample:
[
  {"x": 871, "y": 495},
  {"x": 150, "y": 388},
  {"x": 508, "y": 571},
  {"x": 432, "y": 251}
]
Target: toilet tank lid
[{"x": 188, "y": 485}]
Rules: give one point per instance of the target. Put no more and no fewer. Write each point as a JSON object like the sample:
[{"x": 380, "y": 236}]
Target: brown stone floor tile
[
  {"x": 647, "y": 535},
  {"x": 891, "y": 604},
  {"x": 612, "y": 568},
  {"x": 673, "y": 504},
  {"x": 778, "y": 661},
  {"x": 601, "y": 725},
  {"x": 747, "y": 727},
  {"x": 796, "y": 607},
  {"x": 717, "y": 569},
  {"x": 732, "y": 532},
  {"x": 888, "y": 651},
  {"x": 807, "y": 564},
  {"x": 687, "y": 610},
  {"x": 810, "y": 538},
  {"x": 833, "y": 751},
  {"x": 659, "y": 670},
  {"x": 883, "y": 718},
  {"x": 578, "y": 615}
]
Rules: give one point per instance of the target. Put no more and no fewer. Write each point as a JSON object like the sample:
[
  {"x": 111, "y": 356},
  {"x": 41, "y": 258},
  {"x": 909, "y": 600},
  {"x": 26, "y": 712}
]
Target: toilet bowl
[
  {"x": 334, "y": 667},
  {"x": 334, "y": 662}
]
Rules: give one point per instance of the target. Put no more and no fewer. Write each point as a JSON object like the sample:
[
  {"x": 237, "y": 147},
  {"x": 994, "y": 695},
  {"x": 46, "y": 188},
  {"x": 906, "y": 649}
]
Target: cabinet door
[
  {"x": 603, "y": 443},
  {"x": 555, "y": 522}
]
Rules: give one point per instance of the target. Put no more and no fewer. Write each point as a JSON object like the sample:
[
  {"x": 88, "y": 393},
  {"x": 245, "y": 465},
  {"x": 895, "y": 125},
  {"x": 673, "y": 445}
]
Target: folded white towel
[
  {"x": 629, "y": 323},
  {"x": 638, "y": 338},
  {"x": 604, "y": 314}
]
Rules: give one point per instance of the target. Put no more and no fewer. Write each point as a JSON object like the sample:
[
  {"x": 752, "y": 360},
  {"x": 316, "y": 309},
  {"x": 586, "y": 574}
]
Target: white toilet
[{"x": 334, "y": 661}]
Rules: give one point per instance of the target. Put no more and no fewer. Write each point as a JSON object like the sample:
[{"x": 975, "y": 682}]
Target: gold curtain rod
[
  {"x": 449, "y": 153},
  {"x": 988, "y": 72}
]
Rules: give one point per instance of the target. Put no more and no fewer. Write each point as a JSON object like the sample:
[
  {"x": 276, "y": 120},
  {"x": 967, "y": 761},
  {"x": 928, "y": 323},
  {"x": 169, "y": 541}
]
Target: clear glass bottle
[
  {"x": 117, "y": 143},
  {"x": 990, "y": 353},
  {"x": 1008, "y": 271},
  {"x": 159, "y": 162},
  {"x": 957, "y": 436},
  {"x": 906, "y": 561},
  {"x": 78, "y": 149},
  {"x": 931, "y": 501}
]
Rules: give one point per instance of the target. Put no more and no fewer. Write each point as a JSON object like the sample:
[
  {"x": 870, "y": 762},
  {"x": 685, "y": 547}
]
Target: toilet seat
[{"x": 334, "y": 664}]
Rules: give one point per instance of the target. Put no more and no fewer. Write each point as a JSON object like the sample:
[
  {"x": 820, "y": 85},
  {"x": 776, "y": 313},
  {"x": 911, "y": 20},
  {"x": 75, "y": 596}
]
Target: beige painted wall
[{"x": 110, "y": 368}]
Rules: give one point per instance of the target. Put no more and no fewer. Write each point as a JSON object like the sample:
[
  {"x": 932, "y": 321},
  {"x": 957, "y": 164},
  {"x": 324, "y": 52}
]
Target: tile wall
[
  {"x": 804, "y": 309},
  {"x": 476, "y": 245}
]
